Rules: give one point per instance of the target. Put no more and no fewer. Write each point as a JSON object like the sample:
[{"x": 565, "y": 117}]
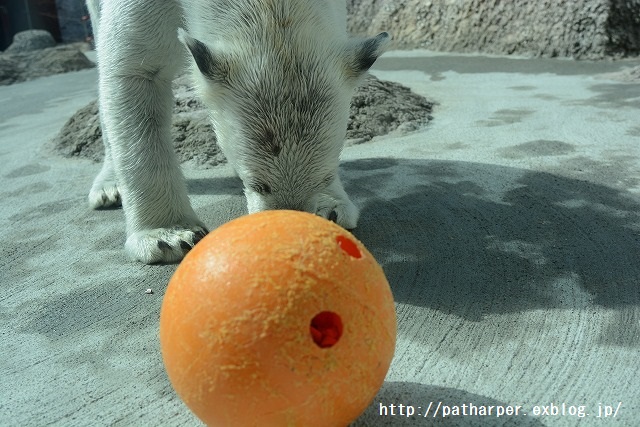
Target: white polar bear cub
[{"x": 278, "y": 77}]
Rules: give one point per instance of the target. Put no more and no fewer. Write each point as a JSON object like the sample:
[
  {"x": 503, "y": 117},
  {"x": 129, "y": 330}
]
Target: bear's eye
[{"x": 261, "y": 188}]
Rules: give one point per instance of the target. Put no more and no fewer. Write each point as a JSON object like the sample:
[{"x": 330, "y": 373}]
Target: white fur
[{"x": 277, "y": 75}]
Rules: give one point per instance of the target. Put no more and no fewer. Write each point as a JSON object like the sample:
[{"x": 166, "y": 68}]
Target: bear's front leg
[
  {"x": 138, "y": 54},
  {"x": 104, "y": 192}
]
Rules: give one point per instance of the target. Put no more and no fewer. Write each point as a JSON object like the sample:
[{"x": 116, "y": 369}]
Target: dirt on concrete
[{"x": 377, "y": 108}]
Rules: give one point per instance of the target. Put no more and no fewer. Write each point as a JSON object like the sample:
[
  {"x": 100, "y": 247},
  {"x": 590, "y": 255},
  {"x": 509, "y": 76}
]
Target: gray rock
[
  {"x": 19, "y": 67},
  {"x": 60, "y": 59},
  {"x": 10, "y": 69},
  {"x": 30, "y": 40},
  {"x": 580, "y": 28},
  {"x": 378, "y": 108}
]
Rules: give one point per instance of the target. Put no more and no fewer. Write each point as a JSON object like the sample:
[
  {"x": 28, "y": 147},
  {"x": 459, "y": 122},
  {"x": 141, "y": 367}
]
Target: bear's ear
[
  {"x": 361, "y": 54},
  {"x": 211, "y": 66}
]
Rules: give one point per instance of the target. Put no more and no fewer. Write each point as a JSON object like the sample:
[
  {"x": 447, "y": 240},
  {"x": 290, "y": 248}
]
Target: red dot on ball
[
  {"x": 348, "y": 246},
  {"x": 326, "y": 329}
]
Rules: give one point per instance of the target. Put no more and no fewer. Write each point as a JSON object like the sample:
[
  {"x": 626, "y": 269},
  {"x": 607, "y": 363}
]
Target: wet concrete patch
[
  {"x": 537, "y": 148},
  {"x": 506, "y": 117},
  {"x": 634, "y": 131},
  {"x": 546, "y": 97},
  {"x": 27, "y": 170},
  {"x": 46, "y": 210},
  {"x": 522, "y": 88},
  {"x": 457, "y": 146},
  {"x": 474, "y": 64},
  {"x": 35, "y": 188},
  {"x": 608, "y": 95}
]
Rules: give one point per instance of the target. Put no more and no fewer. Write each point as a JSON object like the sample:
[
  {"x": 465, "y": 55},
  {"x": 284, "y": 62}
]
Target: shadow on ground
[
  {"x": 472, "y": 239},
  {"x": 463, "y": 238},
  {"x": 467, "y": 239}
]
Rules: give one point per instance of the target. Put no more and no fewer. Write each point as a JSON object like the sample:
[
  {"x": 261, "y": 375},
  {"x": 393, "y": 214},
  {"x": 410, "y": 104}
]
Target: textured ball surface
[{"x": 278, "y": 318}]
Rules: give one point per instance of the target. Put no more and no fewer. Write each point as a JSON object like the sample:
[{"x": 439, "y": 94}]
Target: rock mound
[
  {"x": 19, "y": 67},
  {"x": 30, "y": 40},
  {"x": 378, "y": 108},
  {"x": 34, "y": 54}
]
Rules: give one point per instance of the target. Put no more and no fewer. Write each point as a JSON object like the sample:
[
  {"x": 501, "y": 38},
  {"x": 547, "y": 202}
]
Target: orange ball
[{"x": 279, "y": 318}]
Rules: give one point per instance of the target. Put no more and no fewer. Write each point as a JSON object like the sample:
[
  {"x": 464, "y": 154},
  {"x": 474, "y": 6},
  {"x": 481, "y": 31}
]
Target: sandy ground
[{"x": 509, "y": 230}]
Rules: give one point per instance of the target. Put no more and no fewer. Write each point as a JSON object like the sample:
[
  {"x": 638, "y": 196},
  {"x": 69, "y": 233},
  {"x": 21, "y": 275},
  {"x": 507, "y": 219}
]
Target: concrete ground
[{"x": 509, "y": 230}]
